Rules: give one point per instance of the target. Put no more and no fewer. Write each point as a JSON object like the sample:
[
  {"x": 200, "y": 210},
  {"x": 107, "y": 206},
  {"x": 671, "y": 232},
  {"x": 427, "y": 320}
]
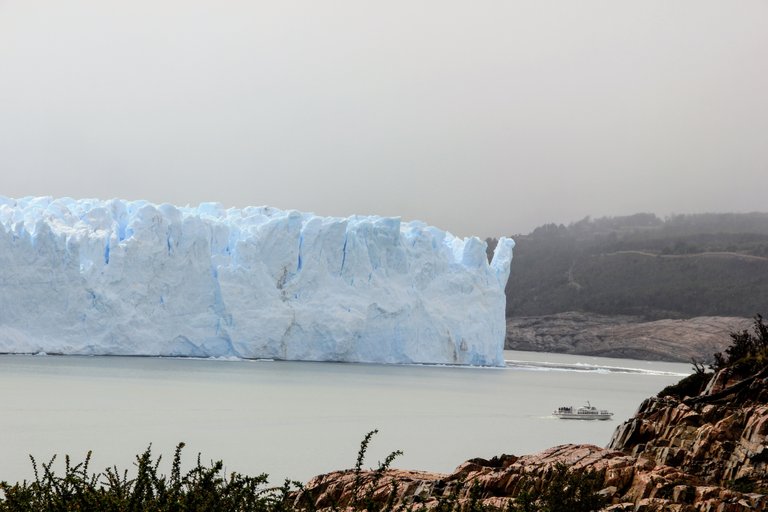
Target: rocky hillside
[
  {"x": 702, "y": 445},
  {"x": 623, "y": 336},
  {"x": 626, "y": 482},
  {"x": 719, "y": 437}
]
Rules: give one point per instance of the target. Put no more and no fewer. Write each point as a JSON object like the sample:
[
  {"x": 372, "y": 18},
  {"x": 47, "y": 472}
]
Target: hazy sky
[{"x": 480, "y": 117}]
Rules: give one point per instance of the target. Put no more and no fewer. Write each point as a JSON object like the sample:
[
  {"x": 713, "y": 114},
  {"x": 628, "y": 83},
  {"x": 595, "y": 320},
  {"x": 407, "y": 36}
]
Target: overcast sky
[{"x": 480, "y": 117}]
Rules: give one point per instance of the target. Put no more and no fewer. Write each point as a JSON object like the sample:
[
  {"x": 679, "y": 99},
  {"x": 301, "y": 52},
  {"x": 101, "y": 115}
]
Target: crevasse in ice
[{"x": 133, "y": 278}]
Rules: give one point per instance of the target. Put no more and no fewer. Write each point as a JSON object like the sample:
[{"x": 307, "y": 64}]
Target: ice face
[{"x": 134, "y": 278}]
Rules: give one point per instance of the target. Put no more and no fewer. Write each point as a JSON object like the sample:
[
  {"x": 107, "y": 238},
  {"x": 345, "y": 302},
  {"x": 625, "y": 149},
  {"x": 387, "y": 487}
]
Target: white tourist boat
[{"x": 585, "y": 412}]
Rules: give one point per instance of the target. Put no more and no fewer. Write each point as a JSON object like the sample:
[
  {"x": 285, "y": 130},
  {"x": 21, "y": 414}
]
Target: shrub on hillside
[
  {"x": 691, "y": 385},
  {"x": 565, "y": 491},
  {"x": 748, "y": 352}
]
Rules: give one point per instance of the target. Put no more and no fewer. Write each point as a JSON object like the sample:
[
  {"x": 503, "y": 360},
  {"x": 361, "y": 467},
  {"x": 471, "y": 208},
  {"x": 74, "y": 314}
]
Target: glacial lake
[{"x": 299, "y": 419}]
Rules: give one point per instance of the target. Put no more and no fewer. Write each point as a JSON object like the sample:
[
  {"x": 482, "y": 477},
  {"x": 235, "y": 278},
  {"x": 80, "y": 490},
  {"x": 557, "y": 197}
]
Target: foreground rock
[
  {"x": 628, "y": 482},
  {"x": 703, "y": 453},
  {"x": 623, "y": 336},
  {"x": 719, "y": 437}
]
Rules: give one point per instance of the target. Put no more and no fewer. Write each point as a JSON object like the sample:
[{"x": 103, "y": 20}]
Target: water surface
[{"x": 297, "y": 419}]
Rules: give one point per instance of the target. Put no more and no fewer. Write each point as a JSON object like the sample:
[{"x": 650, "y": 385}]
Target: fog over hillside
[
  {"x": 638, "y": 286},
  {"x": 678, "y": 267}
]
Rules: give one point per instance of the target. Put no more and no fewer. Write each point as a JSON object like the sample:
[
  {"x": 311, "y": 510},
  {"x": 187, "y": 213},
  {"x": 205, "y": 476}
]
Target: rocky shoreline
[
  {"x": 629, "y": 482},
  {"x": 629, "y": 337},
  {"x": 707, "y": 452}
]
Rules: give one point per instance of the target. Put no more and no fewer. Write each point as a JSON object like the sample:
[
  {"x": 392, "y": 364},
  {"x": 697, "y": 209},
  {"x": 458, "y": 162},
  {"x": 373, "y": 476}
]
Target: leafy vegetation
[
  {"x": 748, "y": 352},
  {"x": 565, "y": 491},
  {"x": 364, "y": 497},
  {"x": 691, "y": 385},
  {"x": 679, "y": 267},
  {"x": 203, "y": 488},
  {"x": 743, "y": 484}
]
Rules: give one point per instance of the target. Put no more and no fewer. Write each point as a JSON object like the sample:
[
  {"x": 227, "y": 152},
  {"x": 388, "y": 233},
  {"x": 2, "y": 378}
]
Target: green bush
[
  {"x": 748, "y": 352},
  {"x": 565, "y": 491},
  {"x": 691, "y": 385},
  {"x": 203, "y": 488}
]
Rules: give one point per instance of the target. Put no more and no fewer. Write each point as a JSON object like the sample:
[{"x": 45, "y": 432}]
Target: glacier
[{"x": 114, "y": 277}]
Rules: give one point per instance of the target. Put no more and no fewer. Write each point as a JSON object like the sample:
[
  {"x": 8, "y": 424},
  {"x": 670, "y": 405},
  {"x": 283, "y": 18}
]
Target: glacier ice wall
[{"x": 134, "y": 278}]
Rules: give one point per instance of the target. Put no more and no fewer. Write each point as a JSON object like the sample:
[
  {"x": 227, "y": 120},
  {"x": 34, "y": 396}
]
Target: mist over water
[{"x": 294, "y": 419}]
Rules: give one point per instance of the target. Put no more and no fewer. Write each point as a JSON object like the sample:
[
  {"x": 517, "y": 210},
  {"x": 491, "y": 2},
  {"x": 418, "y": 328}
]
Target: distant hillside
[{"x": 680, "y": 267}]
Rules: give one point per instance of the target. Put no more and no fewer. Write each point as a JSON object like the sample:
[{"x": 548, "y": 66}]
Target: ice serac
[{"x": 134, "y": 278}]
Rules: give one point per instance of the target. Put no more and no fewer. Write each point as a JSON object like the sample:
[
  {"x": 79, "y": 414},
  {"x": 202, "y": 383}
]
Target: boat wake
[{"x": 584, "y": 367}]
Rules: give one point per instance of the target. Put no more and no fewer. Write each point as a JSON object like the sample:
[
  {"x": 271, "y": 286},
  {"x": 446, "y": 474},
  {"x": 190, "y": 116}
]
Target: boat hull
[
  {"x": 583, "y": 416},
  {"x": 586, "y": 412}
]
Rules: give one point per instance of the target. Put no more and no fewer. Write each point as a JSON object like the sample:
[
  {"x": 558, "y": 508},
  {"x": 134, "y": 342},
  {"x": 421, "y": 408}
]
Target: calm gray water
[{"x": 296, "y": 420}]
